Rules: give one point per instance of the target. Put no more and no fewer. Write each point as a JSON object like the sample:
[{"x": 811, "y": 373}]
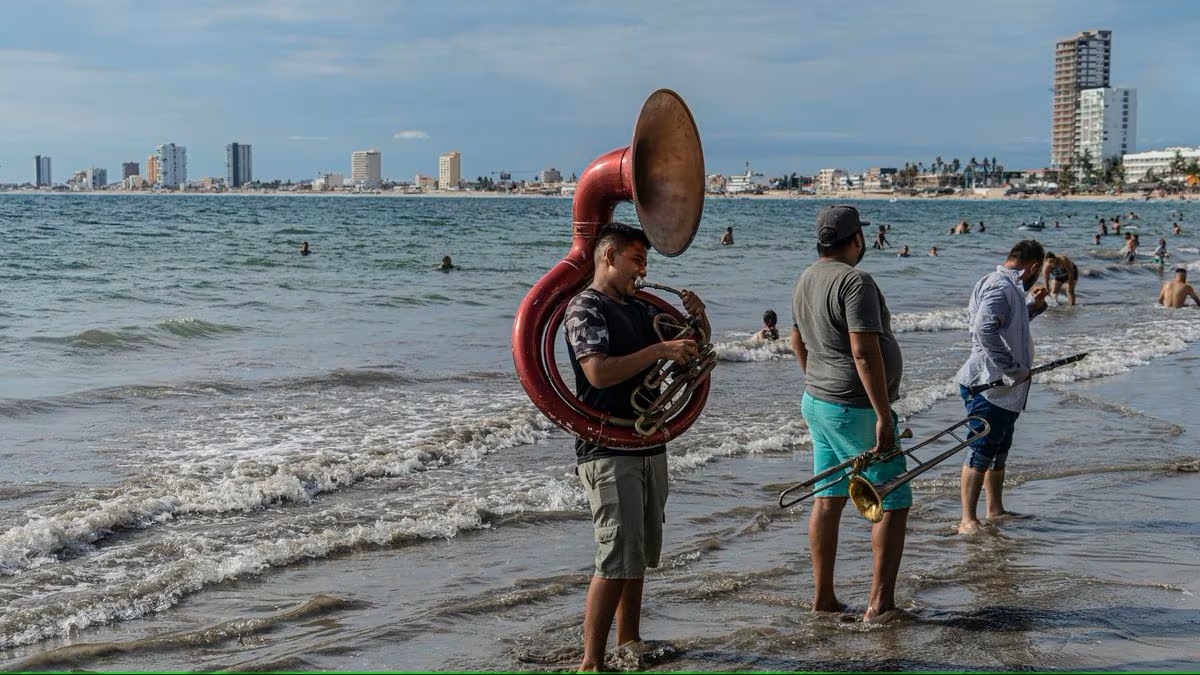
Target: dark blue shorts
[{"x": 991, "y": 451}]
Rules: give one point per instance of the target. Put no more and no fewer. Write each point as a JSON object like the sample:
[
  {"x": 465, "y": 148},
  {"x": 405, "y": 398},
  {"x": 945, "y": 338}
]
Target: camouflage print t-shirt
[{"x": 597, "y": 324}]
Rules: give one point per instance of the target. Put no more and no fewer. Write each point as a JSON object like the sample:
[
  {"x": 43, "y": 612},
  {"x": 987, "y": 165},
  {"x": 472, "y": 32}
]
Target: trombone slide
[{"x": 868, "y": 498}]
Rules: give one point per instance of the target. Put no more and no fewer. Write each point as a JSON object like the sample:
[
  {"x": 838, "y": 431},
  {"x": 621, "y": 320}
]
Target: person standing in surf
[
  {"x": 842, "y": 338},
  {"x": 612, "y": 345},
  {"x": 1060, "y": 272},
  {"x": 1002, "y": 305},
  {"x": 1175, "y": 293}
]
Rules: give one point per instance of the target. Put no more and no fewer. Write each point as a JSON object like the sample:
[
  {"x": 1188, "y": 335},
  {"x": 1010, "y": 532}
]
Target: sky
[{"x": 784, "y": 85}]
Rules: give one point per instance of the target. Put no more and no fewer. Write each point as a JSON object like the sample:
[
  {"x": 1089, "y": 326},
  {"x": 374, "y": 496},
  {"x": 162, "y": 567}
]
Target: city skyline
[{"x": 788, "y": 87}]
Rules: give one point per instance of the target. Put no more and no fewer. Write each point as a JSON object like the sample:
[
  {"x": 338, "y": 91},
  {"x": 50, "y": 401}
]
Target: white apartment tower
[
  {"x": 237, "y": 165},
  {"x": 366, "y": 168},
  {"x": 171, "y": 165},
  {"x": 449, "y": 170},
  {"x": 1081, "y": 61},
  {"x": 1107, "y": 124}
]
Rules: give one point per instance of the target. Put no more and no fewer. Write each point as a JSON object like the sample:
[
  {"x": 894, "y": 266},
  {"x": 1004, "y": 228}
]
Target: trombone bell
[{"x": 866, "y": 499}]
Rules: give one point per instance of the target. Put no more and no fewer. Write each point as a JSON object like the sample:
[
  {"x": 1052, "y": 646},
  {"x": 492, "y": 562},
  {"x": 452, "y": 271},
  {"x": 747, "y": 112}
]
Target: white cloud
[{"x": 411, "y": 135}]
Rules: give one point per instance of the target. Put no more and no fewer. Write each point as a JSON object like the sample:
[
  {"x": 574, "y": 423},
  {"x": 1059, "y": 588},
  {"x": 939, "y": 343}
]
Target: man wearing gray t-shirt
[{"x": 842, "y": 339}]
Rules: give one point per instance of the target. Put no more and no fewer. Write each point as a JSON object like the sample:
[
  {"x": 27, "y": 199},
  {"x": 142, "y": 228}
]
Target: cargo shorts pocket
[{"x": 607, "y": 535}]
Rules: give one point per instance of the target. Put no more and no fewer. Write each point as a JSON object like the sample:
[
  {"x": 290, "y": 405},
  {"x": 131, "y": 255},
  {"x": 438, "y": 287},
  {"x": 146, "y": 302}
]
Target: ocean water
[{"x": 218, "y": 454}]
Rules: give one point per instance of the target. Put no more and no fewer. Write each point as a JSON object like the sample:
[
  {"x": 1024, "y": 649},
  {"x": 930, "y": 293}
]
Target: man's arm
[
  {"x": 1192, "y": 294},
  {"x": 587, "y": 336},
  {"x": 603, "y": 370},
  {"x": 799, "y": 349},
  {"x": 1162, "y": 293},
  {"x": 868, "y": 361},
  {"x": 993, "y": 313}
]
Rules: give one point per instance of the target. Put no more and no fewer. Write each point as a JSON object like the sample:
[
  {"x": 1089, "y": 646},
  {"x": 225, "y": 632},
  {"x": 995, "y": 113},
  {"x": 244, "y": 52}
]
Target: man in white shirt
[{"x": 1002, "y": 305}]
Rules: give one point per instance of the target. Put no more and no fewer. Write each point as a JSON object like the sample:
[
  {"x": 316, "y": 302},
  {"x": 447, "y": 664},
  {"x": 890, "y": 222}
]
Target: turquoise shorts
[{"x": 840, "y": 432}]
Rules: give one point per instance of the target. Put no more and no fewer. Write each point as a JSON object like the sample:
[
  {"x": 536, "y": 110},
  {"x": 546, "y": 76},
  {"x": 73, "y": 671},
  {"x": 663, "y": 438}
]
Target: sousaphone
[{"x": 662, "y": 172}]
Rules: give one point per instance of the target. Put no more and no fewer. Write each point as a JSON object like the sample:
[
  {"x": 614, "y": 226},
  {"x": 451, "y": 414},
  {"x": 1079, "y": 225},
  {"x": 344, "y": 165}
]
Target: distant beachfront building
[
  {"x": 746, "y": 183},
  {"x": 237, "y": 165},
  {"x": 879, "y": 178},
  {"x": 1139, "y": 164},
  {"x": 1082, "y": 61},
  {"x": 42, "y": 164},
  {"x": 172, "y": 166},
  {"x": 151, "y": 169},
  {"x": 96, "y": 179},
  {"x": 78, "y": 180},
  {"x": 714, "y": 184},
  {"x": 129, "y": 169},
  {"x": 551, "y": 175},
  {"x": 328, "y": 181},
  {"x": 1107, "y": 124},
  {"x": 831, "y": 180},
  {"x": 449, "y": 170},
  {"x": 425, "y": 182},
  {"x": 366, "y": 168}
]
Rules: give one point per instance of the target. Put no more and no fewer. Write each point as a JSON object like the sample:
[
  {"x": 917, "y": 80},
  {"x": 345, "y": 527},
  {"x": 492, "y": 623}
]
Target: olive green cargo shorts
[{"x": 628, "y": 496}]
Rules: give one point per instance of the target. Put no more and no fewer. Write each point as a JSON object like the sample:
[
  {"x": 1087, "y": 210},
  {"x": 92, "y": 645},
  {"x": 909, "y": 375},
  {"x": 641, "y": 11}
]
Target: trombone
[{"x": 868, "y": 498}]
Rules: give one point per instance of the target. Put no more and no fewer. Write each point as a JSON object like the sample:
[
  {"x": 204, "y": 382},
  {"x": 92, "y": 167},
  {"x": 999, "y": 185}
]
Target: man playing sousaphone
[
  {"x": 613, "y": 344},
  {"x": 842, "y": 338}
]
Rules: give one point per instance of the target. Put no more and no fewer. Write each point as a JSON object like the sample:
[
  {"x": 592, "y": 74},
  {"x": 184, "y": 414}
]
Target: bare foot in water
[
  {"x": 882, "y": 616},
  {"x": 873, "y": 613},
  {"x": 1009, "y": 515},
  {"x": 834, "y": 606},
  {"x": 968, "y": 527}
]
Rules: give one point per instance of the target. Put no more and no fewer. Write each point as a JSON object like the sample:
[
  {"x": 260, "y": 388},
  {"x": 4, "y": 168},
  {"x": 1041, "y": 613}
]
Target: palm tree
[
  {"x": 1178, "y": 164},
  {"x": 987, "y": 172},
  {"x": 1114, "y": 171},
  {"x": 1086, "y": 167},
  {"x": 1066, "y": 179}
]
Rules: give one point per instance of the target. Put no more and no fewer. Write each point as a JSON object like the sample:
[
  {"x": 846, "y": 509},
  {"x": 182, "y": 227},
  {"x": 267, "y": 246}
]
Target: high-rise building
[
  {"x": 96, "y": 179},
  {"x": 151, "y": 169},
  {"x": 42, "y": 162},
  {"x": 172, "y": 166},
  {"x": 129, "y": 169},
  {"x": 237, "y": 165},
  {"x": 551, "y": 175},
  {"x": 1107, "y": 125},
  {"x": 1081, "y": 61},
  {"x": 365, "y": 168},
  {"x": 449, "y": 170}
]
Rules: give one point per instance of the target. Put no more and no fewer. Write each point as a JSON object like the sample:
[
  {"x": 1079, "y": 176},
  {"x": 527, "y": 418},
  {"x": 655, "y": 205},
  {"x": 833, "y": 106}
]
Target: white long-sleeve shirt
[{"x": 1001, "y": 343}]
